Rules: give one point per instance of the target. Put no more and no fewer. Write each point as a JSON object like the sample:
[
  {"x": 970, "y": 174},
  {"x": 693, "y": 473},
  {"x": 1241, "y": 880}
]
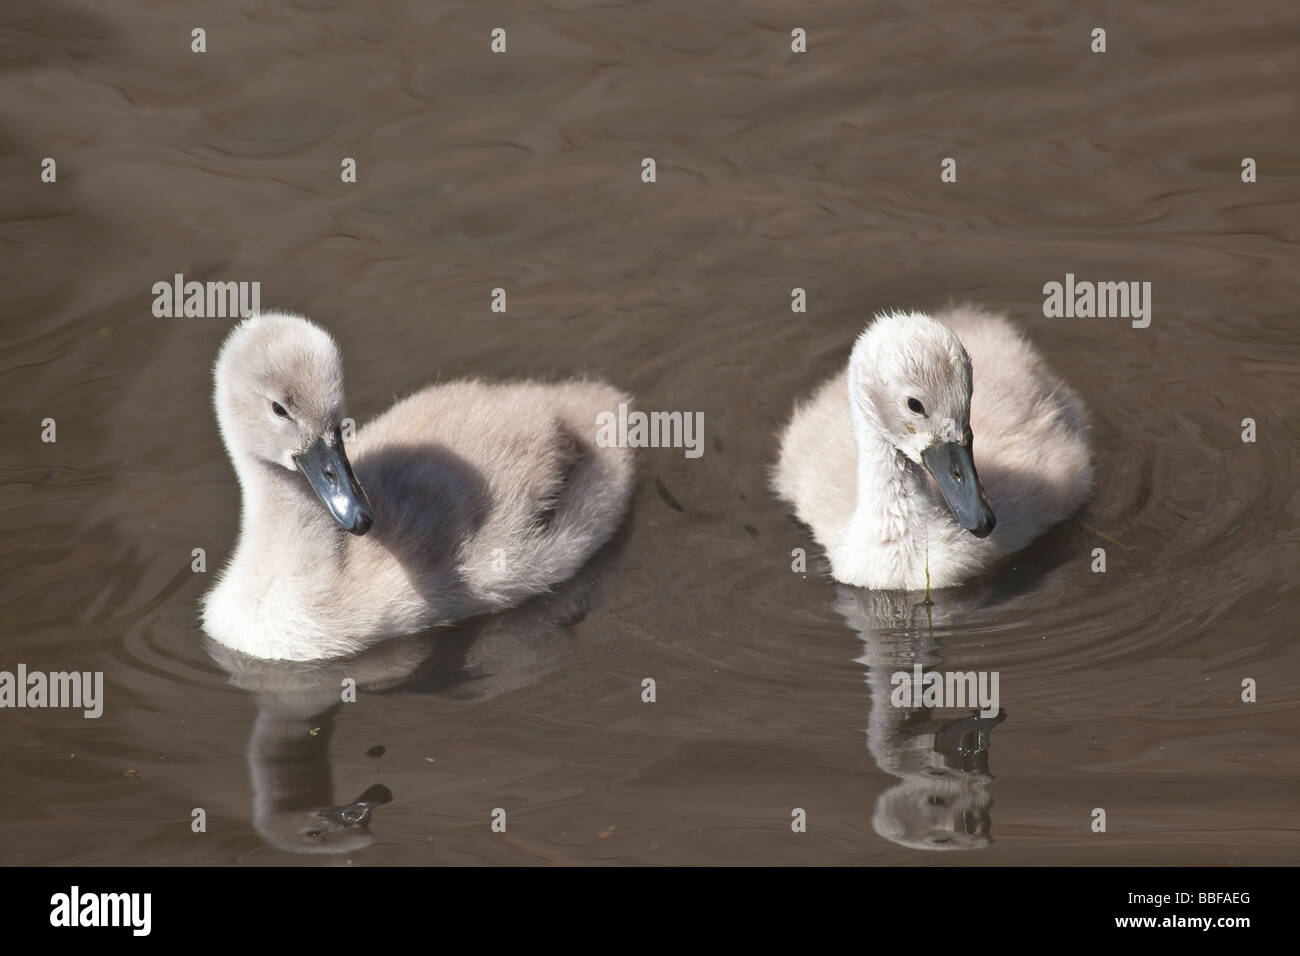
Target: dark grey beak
[
  {"x": 330, "y": 474},
  {"x": 953, "y": 467}
]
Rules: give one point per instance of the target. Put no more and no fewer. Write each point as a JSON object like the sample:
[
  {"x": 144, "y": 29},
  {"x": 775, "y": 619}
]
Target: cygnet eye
[
  {"x": 279, "y": 410},
  {"x": 916, "y": 406}
]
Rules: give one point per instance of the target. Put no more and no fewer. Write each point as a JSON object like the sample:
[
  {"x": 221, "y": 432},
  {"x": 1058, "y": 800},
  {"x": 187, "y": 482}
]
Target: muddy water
[{"x": 775, "y": 170}]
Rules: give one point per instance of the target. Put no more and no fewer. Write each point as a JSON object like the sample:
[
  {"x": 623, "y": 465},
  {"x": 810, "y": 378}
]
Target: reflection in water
[
  {"x": 940, "y": 756},
  {"x": 294, "y": 807},
  {"x": 288, "y": 761}
]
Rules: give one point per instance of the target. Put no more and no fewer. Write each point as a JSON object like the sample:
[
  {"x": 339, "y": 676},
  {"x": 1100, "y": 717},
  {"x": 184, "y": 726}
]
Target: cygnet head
[
  {"x": 279, "y": 401},
  {"x": 910, "y": 384}
]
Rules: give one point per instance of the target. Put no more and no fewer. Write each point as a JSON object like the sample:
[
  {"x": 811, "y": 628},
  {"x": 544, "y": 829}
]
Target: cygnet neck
[
  {"x": 889, "y": 487},
  {"x": 279, "y": 509}
]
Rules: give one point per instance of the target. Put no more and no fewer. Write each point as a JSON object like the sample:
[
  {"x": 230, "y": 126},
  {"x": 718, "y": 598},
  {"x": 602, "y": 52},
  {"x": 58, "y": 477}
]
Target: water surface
[{"x": 775, "y": 170}]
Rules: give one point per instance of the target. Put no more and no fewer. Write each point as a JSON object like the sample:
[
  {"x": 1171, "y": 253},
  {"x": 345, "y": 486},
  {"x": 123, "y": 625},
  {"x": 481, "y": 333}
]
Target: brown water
[{"x": 775, "y": 170}]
